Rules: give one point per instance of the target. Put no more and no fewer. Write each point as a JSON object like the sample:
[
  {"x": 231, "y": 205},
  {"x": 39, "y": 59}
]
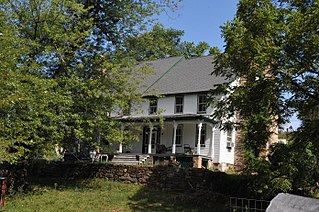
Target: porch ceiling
[{"x": 175, "y": 117}]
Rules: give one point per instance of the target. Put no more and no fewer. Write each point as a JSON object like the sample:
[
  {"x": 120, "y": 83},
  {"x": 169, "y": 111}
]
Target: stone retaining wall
[
  {"x": 16, "y": 176},
  {"x": 161, "y": 177}
]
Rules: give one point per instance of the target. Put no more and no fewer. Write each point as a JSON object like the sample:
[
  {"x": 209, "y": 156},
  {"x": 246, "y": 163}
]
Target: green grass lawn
[{"x": 102, "y": 195}]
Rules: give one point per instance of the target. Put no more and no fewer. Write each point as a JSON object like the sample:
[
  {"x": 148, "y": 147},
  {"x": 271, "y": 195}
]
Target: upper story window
[
  {"x": 179, "y": 104},
  {"x": 201, "y": 103},
  {"x": 229, "y": 140},
  {"x": 229, "y": 135},
  {"x": 153, "y": 106}
]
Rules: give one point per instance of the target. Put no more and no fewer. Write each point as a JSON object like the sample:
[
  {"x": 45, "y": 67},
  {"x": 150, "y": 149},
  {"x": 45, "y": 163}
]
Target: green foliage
[
  {"x": 161, "y": 43},
  {"x": 61, "y": 76},
  {"x": 250, "y": 55},
  {"x": 272, "y": 48},
  {"x": 115, "y": 21},
  {"x": 189, "y": 49},
  {"x": 292, "y": 168},
  {"x": 157, "y": 43},
  {"x": 27, "y": 121}
]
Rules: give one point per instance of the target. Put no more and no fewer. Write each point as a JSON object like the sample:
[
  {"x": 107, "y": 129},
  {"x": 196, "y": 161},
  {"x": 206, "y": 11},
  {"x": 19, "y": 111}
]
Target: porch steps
[{"x": 129, "y": 159}]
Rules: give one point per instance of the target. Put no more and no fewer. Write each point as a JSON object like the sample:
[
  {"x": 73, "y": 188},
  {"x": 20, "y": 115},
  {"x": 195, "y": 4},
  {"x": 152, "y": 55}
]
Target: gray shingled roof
[
  {"x": 159, "y": 67},
  {"x": 184, "y": 76}
]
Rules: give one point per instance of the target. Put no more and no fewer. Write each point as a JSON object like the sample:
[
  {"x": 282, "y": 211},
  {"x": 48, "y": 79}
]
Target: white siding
[
  {"x": 226, "y": 155},
  {"x": 190, "y": 104},
  {"x": 136, "y": 146},
  {"x": 189, "y": 134},
  {"x": 143, "y": 111},
  {"x": 217, "y": 146},
  {"x": 166, "y": 106},
  {"x": 167, "y": 134}
]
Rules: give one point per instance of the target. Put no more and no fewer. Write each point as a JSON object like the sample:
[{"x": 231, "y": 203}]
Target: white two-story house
[{"x": 175, "y": 119}]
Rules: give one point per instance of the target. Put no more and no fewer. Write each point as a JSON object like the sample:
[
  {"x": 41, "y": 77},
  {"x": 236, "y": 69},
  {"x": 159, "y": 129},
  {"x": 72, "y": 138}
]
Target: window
[
  {"x": 229, "y": 139},
  {"x": 202, "y": 135},
  {"x": 154, "y": 138},
  {"x": 179, "y": 135},
  {"x": 153, "y": 106},
  {"x": 179, "y": 102},
  {"x": 201, "y": 103},
  {"x": 229, "y": 136}
]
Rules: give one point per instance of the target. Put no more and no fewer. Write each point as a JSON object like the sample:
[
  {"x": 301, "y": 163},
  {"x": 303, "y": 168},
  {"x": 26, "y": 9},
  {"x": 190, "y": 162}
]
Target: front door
[{"x": 154, "y": 141}]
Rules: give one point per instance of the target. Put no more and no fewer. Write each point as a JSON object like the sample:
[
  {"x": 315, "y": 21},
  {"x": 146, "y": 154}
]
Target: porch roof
[{"x": 175, "y": 117}]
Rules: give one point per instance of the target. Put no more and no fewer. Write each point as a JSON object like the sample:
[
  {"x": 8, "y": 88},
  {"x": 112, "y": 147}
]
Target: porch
[{"x": 187, "y": 135}]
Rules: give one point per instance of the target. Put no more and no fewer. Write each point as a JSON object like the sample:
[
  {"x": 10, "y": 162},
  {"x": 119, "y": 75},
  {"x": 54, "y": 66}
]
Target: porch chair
[
  {"x": 160, "y": 148},
  {"x": 187, "y": 149}
]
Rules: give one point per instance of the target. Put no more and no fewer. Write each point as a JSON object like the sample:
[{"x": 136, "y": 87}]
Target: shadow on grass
[
  {"x": 149, "y": 199},
  {"x": 146, "y": 198}
]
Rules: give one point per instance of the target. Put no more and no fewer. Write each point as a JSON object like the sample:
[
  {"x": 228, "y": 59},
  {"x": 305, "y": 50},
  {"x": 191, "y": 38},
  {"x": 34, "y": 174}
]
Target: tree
[
  {"x": 189, "y": 49},
  {"x": 60, "y": 76},
  {"x": 154, "y": 44},
  {"x": 114, "y": 21},
  {"x": 272, "y": 46},
  {"x": 161, "y": 43},
  {"x": 251, "y": 54}
]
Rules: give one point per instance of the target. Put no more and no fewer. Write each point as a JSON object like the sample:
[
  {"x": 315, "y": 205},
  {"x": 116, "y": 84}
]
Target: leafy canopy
[
  {"x": 161, "y": 43},
  {"x": 272, "y": 47},
  {"x": 60, "y": 74}
]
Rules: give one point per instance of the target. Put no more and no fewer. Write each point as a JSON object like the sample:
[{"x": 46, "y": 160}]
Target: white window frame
[
  {"x": 201, "y": 104},
  {"x": 229, "y": 139},
  {"x": 153, "y": 106},
  {"x": 179, "y": 105}
]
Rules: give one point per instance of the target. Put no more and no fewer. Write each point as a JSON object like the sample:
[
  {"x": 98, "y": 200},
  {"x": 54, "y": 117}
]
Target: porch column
[
  {"x": 98, "y": 141},
  {"x": 122, "y": 137},
  {"x": 174, "y": 137},
  {"x": 199, "y": 136},
  {"x": 120, "y": 147},
  {"x": 149, "y": 149},
  {"x": 212, "y": 142}
]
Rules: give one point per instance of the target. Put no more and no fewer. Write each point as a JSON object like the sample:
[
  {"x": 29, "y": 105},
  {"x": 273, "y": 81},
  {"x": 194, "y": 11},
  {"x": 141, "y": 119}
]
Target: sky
[{"x": 201, "y": 21}]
